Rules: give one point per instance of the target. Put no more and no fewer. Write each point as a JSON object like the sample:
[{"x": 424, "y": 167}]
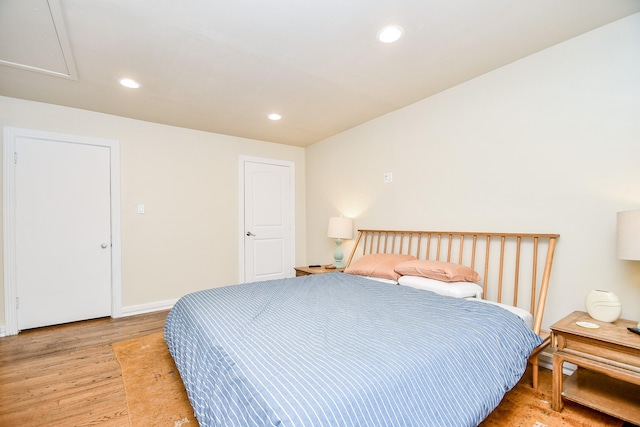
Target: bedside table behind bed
[
  {"x": 608, "y": 358},
  {"x": 306, "y": 271}
]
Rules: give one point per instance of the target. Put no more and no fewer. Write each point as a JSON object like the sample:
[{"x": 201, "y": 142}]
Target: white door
[
  {"x": 268, "y": 220},
  {"x": 63, "y": 232}
]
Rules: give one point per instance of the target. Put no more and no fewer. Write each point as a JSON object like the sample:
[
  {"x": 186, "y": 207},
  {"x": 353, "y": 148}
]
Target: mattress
[{"x": 341, "y": 350}]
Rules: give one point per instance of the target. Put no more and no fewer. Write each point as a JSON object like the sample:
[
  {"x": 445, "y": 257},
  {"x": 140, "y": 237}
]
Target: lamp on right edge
[{"x": 628, "y": 236}]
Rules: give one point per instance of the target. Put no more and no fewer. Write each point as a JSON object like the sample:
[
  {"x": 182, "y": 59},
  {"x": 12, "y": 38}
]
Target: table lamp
[
  {"x": 628, "y": 236},
  {"x": 340, "y": 228}
]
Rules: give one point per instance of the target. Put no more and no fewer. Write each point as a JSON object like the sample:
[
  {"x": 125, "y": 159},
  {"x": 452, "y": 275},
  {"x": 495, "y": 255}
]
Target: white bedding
[
  {"x": 451, "y": 289},
  {"x": 523, "y": 314},
  {"x": 469, "y": 290}
]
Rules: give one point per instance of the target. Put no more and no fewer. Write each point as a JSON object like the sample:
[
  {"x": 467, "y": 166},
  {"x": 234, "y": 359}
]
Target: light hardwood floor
[{"x": 68, "y": 375}]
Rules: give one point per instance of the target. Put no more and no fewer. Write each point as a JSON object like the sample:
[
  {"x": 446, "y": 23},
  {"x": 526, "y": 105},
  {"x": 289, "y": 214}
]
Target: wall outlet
[
  {"x": 388, "y": 177},
  {"x": 140, "y": 209}
]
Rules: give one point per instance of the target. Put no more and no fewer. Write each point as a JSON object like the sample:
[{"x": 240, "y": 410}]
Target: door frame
[
  {"x": 241, "y": 207},
  {"x": 10, "y": 135}
]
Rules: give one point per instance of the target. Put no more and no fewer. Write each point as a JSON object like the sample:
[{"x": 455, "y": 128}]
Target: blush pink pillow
[
  {"x": 378, "y": 265},
  {"x": 439, "y": 270}
]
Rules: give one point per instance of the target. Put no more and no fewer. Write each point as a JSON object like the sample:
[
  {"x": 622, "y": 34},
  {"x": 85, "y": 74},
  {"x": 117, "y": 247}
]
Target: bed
[{"x": 360, "y": 349}]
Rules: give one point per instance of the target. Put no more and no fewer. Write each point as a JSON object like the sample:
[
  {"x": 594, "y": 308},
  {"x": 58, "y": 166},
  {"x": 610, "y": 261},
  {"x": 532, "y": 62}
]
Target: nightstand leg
[{"x": 556, "y": 401}]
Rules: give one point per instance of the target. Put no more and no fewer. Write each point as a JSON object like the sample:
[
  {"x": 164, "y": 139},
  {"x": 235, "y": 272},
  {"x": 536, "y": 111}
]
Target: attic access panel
[{"x": 33, "y": 37}]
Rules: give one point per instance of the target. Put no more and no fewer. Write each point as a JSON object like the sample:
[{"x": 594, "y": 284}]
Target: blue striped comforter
[{"x": 340, "y": 350}]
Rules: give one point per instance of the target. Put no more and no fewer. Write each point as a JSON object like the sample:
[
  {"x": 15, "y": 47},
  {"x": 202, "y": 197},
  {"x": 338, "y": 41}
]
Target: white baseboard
[
  {"x": 546, "y": 361},
  {"x": 132, "y": 310},
  {"x": 129, "y": 311}
]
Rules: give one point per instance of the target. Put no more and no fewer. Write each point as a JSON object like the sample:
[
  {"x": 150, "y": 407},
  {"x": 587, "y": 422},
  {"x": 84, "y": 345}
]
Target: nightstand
[
  {"x": 608, "y": 359},
  {"x": 306, "y": 271}
]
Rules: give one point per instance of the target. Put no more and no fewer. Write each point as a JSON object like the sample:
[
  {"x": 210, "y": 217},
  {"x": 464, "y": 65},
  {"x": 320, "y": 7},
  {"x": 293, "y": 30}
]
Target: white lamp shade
[
  {"x": 628, "y": 235},
  {"x": 340, "y": 228}
]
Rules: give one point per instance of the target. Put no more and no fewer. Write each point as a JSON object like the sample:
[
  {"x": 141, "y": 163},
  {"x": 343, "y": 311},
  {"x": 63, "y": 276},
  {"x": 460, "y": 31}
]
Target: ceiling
[{"x": 223, "y": 65}]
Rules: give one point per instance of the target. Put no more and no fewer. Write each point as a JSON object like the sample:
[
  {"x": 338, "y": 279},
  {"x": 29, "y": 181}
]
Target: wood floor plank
[{"x": 67, "y": 375}]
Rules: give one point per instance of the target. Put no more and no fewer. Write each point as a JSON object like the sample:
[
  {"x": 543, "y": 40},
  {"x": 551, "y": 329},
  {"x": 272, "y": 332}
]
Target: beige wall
[
  {"x": 550, "y": 143},
  {"x": 188, "y": 181}
]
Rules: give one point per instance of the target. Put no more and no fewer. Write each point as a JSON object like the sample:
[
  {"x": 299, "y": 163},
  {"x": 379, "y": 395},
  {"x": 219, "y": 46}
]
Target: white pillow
[
  {"x": 452, "y": 289},
  {"x": 524, "y": 314}
]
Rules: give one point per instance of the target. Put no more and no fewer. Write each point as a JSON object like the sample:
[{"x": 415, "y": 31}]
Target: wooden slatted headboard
[{"x": 509, "y": 263}]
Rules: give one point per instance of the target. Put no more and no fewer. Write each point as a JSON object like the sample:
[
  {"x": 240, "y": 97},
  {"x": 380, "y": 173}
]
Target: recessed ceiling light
[
  {"x": 129, "y": 83},
  {"x": 274, "y": 116},
  {"x": 390, "y": 33}
]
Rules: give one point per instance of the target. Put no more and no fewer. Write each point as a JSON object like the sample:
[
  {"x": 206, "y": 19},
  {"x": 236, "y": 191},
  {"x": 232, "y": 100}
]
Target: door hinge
[
  {"x": 15, "y": 158},
  {"x": 17, "y": 303}
]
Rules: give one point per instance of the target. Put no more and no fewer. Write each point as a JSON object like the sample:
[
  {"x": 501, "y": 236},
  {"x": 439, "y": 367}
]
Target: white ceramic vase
[{"x": 604, "y": 306}]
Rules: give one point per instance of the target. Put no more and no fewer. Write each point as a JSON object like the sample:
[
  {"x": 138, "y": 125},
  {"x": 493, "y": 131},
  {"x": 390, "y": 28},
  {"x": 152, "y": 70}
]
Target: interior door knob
[
  {"x": 249, "y": 234},
  {"x": 104, "y": 245}
]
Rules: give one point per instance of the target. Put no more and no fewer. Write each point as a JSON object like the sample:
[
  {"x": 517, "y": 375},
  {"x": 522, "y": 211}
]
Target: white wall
[
  {"x": 188, "y": 181},
  {"x": 550, "y": 143}
]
